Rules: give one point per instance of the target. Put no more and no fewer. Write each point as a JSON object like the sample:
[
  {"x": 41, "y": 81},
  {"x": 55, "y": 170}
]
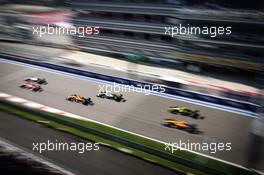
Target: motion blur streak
[
  {"x": 133, "y": 115},
  {"x": 188, "y": 100},
  {"x": 105, "y": 161}
]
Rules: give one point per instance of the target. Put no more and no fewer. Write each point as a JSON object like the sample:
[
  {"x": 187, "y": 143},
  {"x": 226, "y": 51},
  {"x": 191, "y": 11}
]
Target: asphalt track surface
[
  {"x": 140, "y": 114},
  {"x": 104, "y": 161}
]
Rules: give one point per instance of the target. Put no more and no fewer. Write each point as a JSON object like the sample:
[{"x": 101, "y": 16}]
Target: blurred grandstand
[{"x": 140, "y": 25}]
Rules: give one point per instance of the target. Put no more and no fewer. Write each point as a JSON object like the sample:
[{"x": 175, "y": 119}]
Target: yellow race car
[
  {"x": 184, "y": 111},
  {"x": 79, "y": 99}
]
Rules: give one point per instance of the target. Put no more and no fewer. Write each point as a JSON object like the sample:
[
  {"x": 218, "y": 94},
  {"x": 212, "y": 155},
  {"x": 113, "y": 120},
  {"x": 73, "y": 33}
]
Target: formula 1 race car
[
  {"x": 180, "y": 125},
  {"x": 36, "y": 80},
  {"x": 80, "y": 99},
  {"x": 33, "y": 86},
  {"x": 111, "y": 96},
  {"x": 184, "y": 111}
]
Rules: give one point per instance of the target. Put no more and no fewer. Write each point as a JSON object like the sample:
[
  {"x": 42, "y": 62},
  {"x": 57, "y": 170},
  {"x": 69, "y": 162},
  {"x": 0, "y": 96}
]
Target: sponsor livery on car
[
  {"x": 36, "y": 80},
  {"x": 33, "y": 86},
  {"x": 185, "y": 111},
  {"x": 181, "y": 125},
  {"x": 111, "y": 96},
  {"x": 79, "y": 99}
]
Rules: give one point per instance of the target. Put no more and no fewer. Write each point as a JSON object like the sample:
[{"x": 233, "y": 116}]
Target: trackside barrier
[
  {"x": 169, "y": 90},
  {"x": 191, "y": 163}
]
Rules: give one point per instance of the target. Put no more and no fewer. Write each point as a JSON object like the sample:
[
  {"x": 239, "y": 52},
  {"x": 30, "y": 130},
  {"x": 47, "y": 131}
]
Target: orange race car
[
  {"x": 79, "y": 99},
  {"x": 179, "y": 125}
]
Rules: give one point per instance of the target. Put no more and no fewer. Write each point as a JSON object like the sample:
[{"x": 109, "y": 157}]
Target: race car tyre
[
  {"x": 100, "y": 95},
  {"x": 85, "y": 103},
  {"x": 69, "y": 99},
  {"x": 167, "y": 124},
  {"x": 91, "y": 103},
  {"x": 174, "y": 112}
]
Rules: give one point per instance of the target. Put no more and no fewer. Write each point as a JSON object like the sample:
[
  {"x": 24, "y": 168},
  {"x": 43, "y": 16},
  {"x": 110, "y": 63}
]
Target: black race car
[
  {"x": 36, "y": 80},
  {"x": 111, "y": 96}
]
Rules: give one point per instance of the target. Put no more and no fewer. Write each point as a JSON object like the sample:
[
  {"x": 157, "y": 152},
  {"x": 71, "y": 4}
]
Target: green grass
[
  {"x": 158, "y": 146},
  {"x": 49, "y": 120},
  {"x": 148, "y": 157}
]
